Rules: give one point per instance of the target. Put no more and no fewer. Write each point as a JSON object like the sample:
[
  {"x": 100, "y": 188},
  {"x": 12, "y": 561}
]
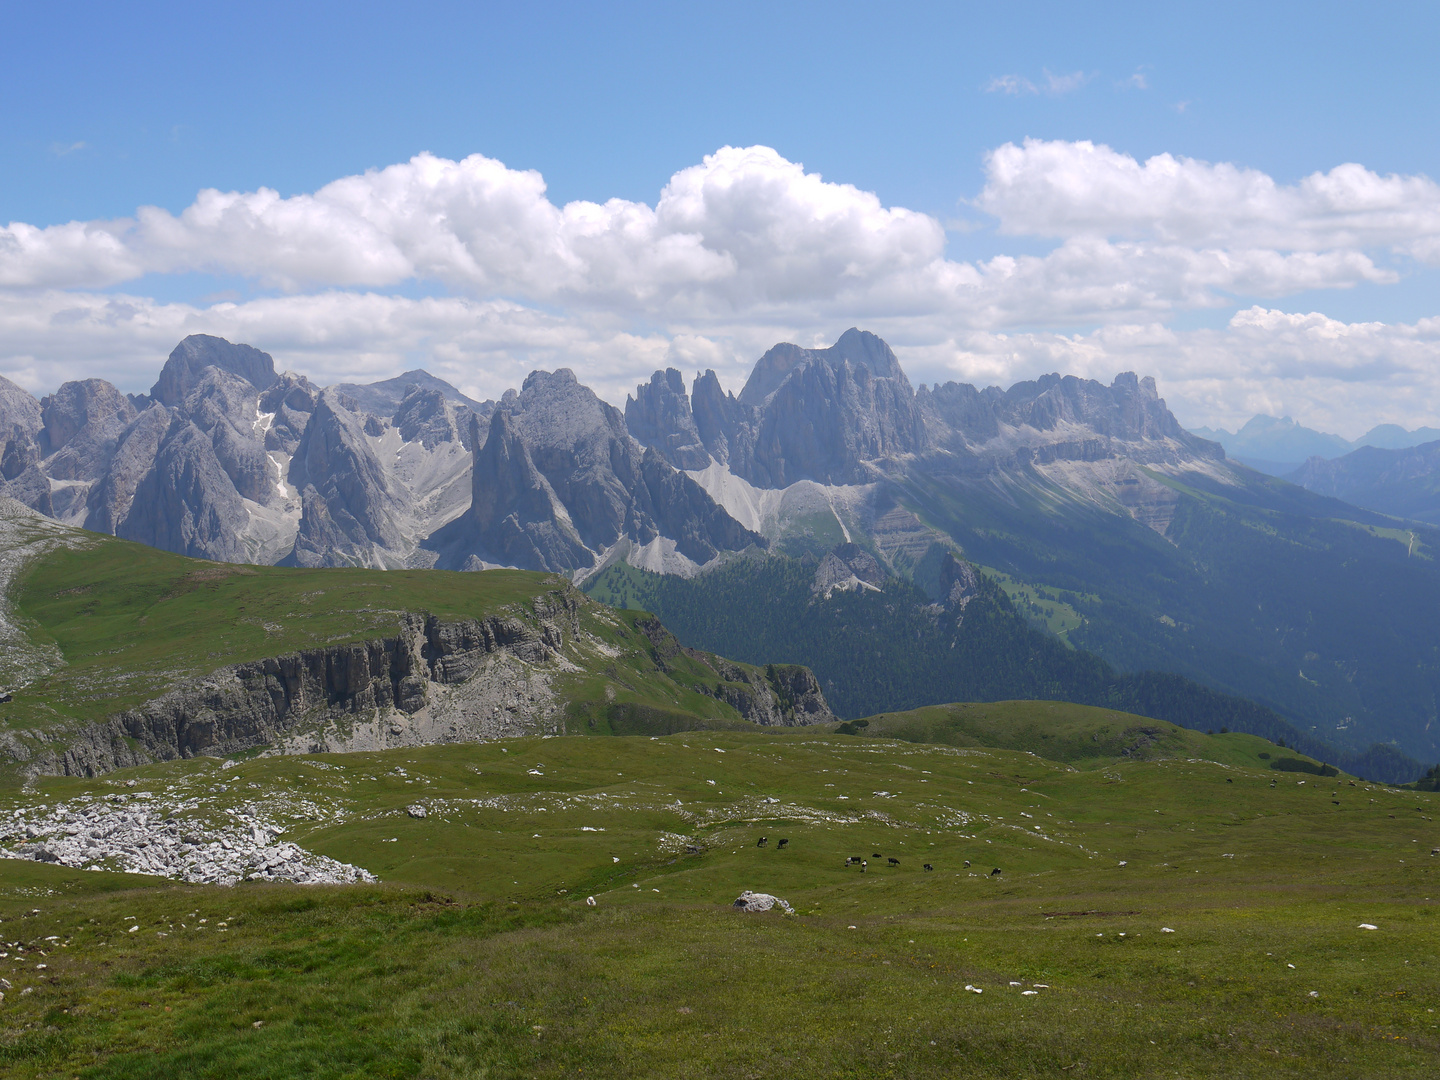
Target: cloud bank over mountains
[{"x": 468, "y": 268}]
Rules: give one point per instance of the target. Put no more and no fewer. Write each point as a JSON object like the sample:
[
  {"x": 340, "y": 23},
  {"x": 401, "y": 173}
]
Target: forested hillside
[{"x": 891, "y": 649}]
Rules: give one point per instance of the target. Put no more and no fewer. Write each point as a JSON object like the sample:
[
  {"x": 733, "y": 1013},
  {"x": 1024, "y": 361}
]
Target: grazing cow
[
  {"x": 1228, "y": 780},
  {"x": 995, "y": 871},
  {"x": 762, "y": 841},
  {"x": 894, "y": 861},
  {"x": 783, "y": 843},
  {"x": 967, "y": 864},
  {"x": 847, "y": 861},
  {"x": 863, "y": 865},
  {"x": 874, "y": 855},
  {"x": 854, "y": 858},
  {"x": 929, "y": 867}
]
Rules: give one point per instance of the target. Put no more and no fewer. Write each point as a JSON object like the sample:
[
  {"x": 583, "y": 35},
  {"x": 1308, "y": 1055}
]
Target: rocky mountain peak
[
  {"x": 659, "y": 415},
  {"x": 425, "y": 416},
  {"x": 197, "y": 352},
  {"x": 859, "y": 347}
]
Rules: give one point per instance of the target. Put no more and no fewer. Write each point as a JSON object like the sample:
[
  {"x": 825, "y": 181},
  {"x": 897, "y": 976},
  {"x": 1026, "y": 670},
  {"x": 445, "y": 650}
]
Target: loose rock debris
[{"x": 145, "y": 835}]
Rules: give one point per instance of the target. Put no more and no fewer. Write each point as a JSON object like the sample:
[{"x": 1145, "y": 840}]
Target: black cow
[
  {"x": 874, "y": 855},
  {"x": 762, "y": 841},
  {"x": 894, "y": 861},
  {"x": 995, "y": 871},
  {"x": 929, "y": 867},
  {"x": 782, "y": 843}
]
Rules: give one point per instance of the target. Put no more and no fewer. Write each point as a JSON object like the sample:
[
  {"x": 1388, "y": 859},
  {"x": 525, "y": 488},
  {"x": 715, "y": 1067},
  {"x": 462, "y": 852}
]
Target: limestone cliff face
[{"x": 398, "y": 690}]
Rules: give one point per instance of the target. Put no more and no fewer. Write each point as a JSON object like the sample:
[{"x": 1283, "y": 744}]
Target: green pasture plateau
[
  {"x": 131, "y": 619},
  {"x": 1170, "y": 917}
]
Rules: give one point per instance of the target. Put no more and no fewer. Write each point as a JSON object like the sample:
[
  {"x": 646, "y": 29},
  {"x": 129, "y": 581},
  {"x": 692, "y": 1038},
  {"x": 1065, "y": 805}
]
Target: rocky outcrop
[
  {"x": 516, "y": 518},
  {"x": 958, "y": 583},
  {"x": 848, "y": 566},
  {"x": 782, "y": 695},
  {"x": 425, "y": 416},
  {"x": 20, "y": 424}
]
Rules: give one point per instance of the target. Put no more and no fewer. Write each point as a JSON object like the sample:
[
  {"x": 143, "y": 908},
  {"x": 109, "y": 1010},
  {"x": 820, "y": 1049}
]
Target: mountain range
[
  {"x": 1279, "y": 445},
  {"x": 1102, "y": 518}
]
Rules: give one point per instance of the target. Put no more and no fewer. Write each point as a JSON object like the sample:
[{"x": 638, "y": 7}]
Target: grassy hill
[
  {"x": 125, "y": 624},
  {"x": 1080, "y": 735},
  {"x": 1151, "y": 917}
]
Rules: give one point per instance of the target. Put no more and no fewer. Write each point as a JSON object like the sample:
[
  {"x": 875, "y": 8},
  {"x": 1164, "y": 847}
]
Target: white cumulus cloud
[{"x": 1073, "y": 189}]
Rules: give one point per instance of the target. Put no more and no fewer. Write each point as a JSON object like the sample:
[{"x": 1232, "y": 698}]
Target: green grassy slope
[{"x": 1181, "y": 918}]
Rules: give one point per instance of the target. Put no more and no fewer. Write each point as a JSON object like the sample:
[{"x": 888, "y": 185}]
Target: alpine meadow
[{"x": 508, "y": 572}]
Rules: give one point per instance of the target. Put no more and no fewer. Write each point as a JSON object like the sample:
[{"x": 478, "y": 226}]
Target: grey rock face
[
  {"x": 186, "y": 503},
  {"x": 848, "y": 566},
  {"x": 199, "y": 351},
  {"x": 111, "y": 499},
  {"x": 83, "y": 423},
  {"x": 717, "y": 416},
  {"x": 1130, "y": 410},
  {"x": 427, "y": 417},
  {"x": 959, "y": 583},
  {"x": 804, "y": 414},
  {"x": 557, "y": 481},
  {"x": 517, "y": 517},
  {"x": 350, "y": 506},
  {"x": 391, "y": 682},
  {"x": 659, "y": 415},
  {"x": 20, "y": 424},
  {"x": 859, "y": 348},
  {"x": 290, "y": 401},
  {"x": 827, "y": 419}
]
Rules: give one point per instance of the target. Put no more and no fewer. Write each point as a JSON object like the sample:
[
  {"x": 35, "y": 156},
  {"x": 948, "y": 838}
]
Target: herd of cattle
[{"x": 853, "y": 860}]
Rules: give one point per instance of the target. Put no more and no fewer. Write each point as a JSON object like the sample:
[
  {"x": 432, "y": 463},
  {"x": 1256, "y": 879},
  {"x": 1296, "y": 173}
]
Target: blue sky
[{"x": 105, "y": 109}]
